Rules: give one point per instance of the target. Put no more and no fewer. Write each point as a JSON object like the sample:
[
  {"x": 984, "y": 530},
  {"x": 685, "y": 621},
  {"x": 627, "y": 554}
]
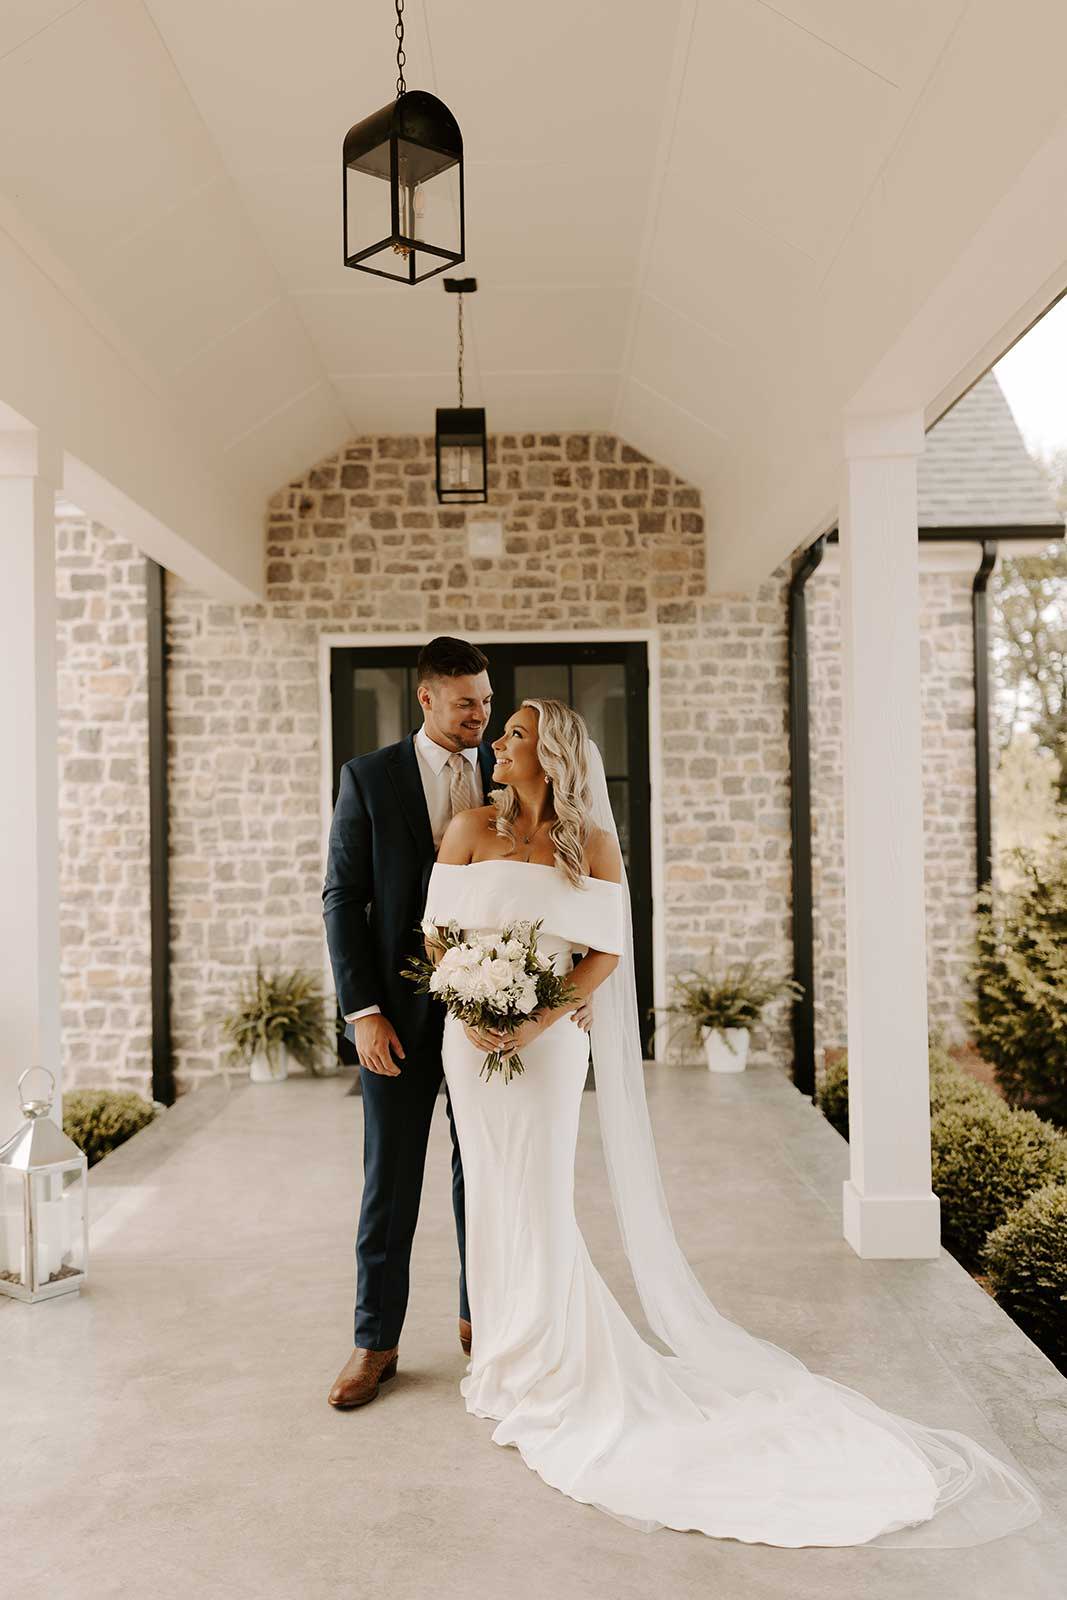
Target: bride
[{"x": 729, "y": 1434}]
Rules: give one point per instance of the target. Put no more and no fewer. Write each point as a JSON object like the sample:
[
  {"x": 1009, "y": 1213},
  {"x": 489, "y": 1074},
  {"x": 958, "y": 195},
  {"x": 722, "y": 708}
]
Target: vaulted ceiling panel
[
  {"x": 718, "y": 383},
  {"x": 180, "y": 283},
  {"x": 761, "y": 124},
  {"x": 555, "y": 222},
  {"x": 250, "y": 373},
  {"x": 549, "y": 329},
  {"x": 517, "y": 402},
  {"x": 98, "y": 135},
  {"x": 657, "y": 426},
  {"x": 581, "y": 84},
  {"x": 21, "y": 19},
  {"x": 310, "y": 426},
  {"x": 549, "y": 401},
  {"x": 897, "y": 41},
  {"x": 724, "y": 270},
  {"x": 395, "y": 332},
  {"x": 701, "y": 223}
]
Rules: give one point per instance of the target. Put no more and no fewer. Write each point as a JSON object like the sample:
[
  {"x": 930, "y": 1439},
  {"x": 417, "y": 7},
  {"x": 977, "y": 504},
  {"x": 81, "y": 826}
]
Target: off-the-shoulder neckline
[{"x": 504, "y": 861}]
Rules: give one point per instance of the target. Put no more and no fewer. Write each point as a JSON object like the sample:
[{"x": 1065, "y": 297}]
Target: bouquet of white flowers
[{"x": 499, "y": 984}]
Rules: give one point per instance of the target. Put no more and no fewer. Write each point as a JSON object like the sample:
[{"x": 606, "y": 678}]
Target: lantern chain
[
  {"x": 459, "y": 297},
  {"x": 401, "y": 58}
]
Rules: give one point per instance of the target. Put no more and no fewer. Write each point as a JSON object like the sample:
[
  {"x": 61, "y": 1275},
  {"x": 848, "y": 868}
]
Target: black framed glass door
[{"x": 374, "y": 703}]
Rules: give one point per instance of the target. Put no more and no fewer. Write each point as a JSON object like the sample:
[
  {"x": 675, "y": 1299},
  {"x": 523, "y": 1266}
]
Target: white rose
[
  {"x": 526, "y": 999},
  {"x": 514, "y": 949}
]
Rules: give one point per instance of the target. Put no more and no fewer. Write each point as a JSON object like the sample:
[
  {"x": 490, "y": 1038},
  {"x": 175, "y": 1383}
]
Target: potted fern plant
[
  {"x": 279, "y": 1019},
  {"x": 718, "y": 1009}
]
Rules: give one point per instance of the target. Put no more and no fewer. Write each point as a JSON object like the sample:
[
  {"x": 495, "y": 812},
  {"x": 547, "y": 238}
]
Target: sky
[{"x": 1033, "y": 376}]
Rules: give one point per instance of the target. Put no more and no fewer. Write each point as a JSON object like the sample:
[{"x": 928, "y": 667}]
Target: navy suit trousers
[{"x": 396, "y": 1125}]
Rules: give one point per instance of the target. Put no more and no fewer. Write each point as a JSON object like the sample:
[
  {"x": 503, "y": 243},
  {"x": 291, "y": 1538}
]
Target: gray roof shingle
[{"x": 976, "y": 470}]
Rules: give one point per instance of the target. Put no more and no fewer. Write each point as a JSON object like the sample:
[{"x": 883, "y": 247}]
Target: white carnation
[{"x": 465, "y": 983}]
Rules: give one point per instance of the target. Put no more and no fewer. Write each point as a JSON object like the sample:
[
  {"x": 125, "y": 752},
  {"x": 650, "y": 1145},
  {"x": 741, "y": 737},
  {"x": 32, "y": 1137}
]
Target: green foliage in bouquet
[
  {"x": 99, "y": 1120},
  {"x": 285, "y": 1009},
  {"x": 1019, "y": 1008},
  {"x": 498, "y": 984},
  {"x": 734, "y": 997},
  {"x": 1026, "y": 1260}
]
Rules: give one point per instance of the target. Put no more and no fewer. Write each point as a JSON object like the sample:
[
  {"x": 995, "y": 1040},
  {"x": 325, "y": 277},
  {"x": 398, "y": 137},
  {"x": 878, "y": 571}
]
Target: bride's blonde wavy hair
[{"x": 563, "y": 751}]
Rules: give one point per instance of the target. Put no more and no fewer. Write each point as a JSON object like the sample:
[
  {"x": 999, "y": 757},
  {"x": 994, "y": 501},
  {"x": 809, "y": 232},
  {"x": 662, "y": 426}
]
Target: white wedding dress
[{"x": 731, "y": 1434}]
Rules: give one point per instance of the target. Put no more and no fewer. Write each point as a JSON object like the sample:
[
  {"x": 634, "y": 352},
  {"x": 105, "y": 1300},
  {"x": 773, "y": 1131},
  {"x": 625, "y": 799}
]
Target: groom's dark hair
[{"x": 450, "y": 658}]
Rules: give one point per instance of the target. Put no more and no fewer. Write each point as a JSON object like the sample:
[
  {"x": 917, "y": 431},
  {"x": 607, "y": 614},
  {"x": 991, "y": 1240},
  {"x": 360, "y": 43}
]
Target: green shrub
[
  {"x": 832, "y": 1094},
  {"x": 1019, "y": 1007},
  {"x": 957, "y": 1088},
  {"x": 1026, "y": 1259},
  {"x": 949, "y": 1085},
  {"x": 986, "y": 1160},
  {"x": 98, "y": 1120}
]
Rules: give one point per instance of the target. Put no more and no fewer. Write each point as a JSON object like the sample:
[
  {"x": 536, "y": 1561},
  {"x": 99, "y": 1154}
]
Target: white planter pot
[
  {"x": 260, "y": 1072},
  {"x": 720, "y": 1057}
]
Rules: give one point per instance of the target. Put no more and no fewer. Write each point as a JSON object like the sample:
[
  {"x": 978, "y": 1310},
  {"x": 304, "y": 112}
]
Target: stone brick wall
[
  {"x": 948, "y": 752},
  {"x": 105, "y": 958},
  {"x": 596, "y": 536}
]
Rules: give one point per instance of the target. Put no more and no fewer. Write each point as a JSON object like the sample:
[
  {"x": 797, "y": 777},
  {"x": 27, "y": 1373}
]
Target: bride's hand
[
  {"x": 484, "y": 1037},
  {"x": 510, "y": 1043}
]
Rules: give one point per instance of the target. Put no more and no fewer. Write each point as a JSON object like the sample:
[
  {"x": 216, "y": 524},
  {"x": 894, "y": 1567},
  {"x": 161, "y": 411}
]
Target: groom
[{"x": 393, "y": 806}]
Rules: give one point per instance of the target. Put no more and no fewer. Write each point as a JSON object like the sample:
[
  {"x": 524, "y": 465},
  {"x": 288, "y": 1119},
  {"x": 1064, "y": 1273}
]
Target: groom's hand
[
  {"x": 583, "y": 1015},
  {"x": 375, "y": 1040}
]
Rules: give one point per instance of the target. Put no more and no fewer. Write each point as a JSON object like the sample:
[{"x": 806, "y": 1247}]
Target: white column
[
  {"x": 30, "y": 472},
  {"x": 889, "y": 1209}
]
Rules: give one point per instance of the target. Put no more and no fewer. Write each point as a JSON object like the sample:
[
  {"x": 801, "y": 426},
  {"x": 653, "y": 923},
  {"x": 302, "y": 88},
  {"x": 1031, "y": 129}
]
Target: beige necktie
[{"x": 462, "y": 792}]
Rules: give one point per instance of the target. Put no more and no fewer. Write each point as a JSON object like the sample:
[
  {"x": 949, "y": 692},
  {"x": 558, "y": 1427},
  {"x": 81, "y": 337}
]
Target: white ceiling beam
[{"x": 146, "y": 478}]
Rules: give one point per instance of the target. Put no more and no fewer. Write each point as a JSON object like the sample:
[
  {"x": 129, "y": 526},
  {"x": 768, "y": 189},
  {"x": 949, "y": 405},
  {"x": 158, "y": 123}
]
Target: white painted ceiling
[{"x": 698, "y": 223}]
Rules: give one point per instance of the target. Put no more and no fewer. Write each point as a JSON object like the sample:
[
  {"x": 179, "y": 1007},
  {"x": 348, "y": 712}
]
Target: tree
[
  {"x": 1030, "y": 649},
  {"x": 1019, "y": 1006}
]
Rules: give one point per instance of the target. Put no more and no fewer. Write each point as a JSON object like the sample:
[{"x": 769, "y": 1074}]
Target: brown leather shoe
[
  {"x": 358, "y": 1380},
  {"x": 465, "y": 1335}
]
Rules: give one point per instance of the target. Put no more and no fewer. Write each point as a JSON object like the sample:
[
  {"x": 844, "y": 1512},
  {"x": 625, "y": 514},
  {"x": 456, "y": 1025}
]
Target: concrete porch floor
[{"x": 167, "y": 1432}]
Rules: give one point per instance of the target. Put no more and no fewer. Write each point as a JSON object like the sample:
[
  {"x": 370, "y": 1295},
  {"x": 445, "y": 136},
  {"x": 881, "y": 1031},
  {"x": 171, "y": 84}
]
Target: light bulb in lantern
[
  {"x": 459, "y": 467},
  {"x": 412, "y": 206}
]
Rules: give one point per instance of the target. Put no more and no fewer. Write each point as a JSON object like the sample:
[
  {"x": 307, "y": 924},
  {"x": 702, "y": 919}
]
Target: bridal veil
[{"x": 978, "y": 1496}]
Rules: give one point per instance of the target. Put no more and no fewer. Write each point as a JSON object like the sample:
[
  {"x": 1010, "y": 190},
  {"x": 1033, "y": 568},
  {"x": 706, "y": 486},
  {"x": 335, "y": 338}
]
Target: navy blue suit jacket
[{"x": 378, "y": 865}]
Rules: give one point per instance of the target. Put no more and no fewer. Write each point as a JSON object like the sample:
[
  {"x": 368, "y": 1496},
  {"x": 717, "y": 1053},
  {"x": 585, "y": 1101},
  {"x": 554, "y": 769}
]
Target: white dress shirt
[{"x": 436, "y": 783}]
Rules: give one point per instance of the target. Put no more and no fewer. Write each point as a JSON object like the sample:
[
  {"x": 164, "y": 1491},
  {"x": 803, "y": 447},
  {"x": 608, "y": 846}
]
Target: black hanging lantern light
[
  {"x": 402, "y": 172},
  {"x": 459, "y": 440}
]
